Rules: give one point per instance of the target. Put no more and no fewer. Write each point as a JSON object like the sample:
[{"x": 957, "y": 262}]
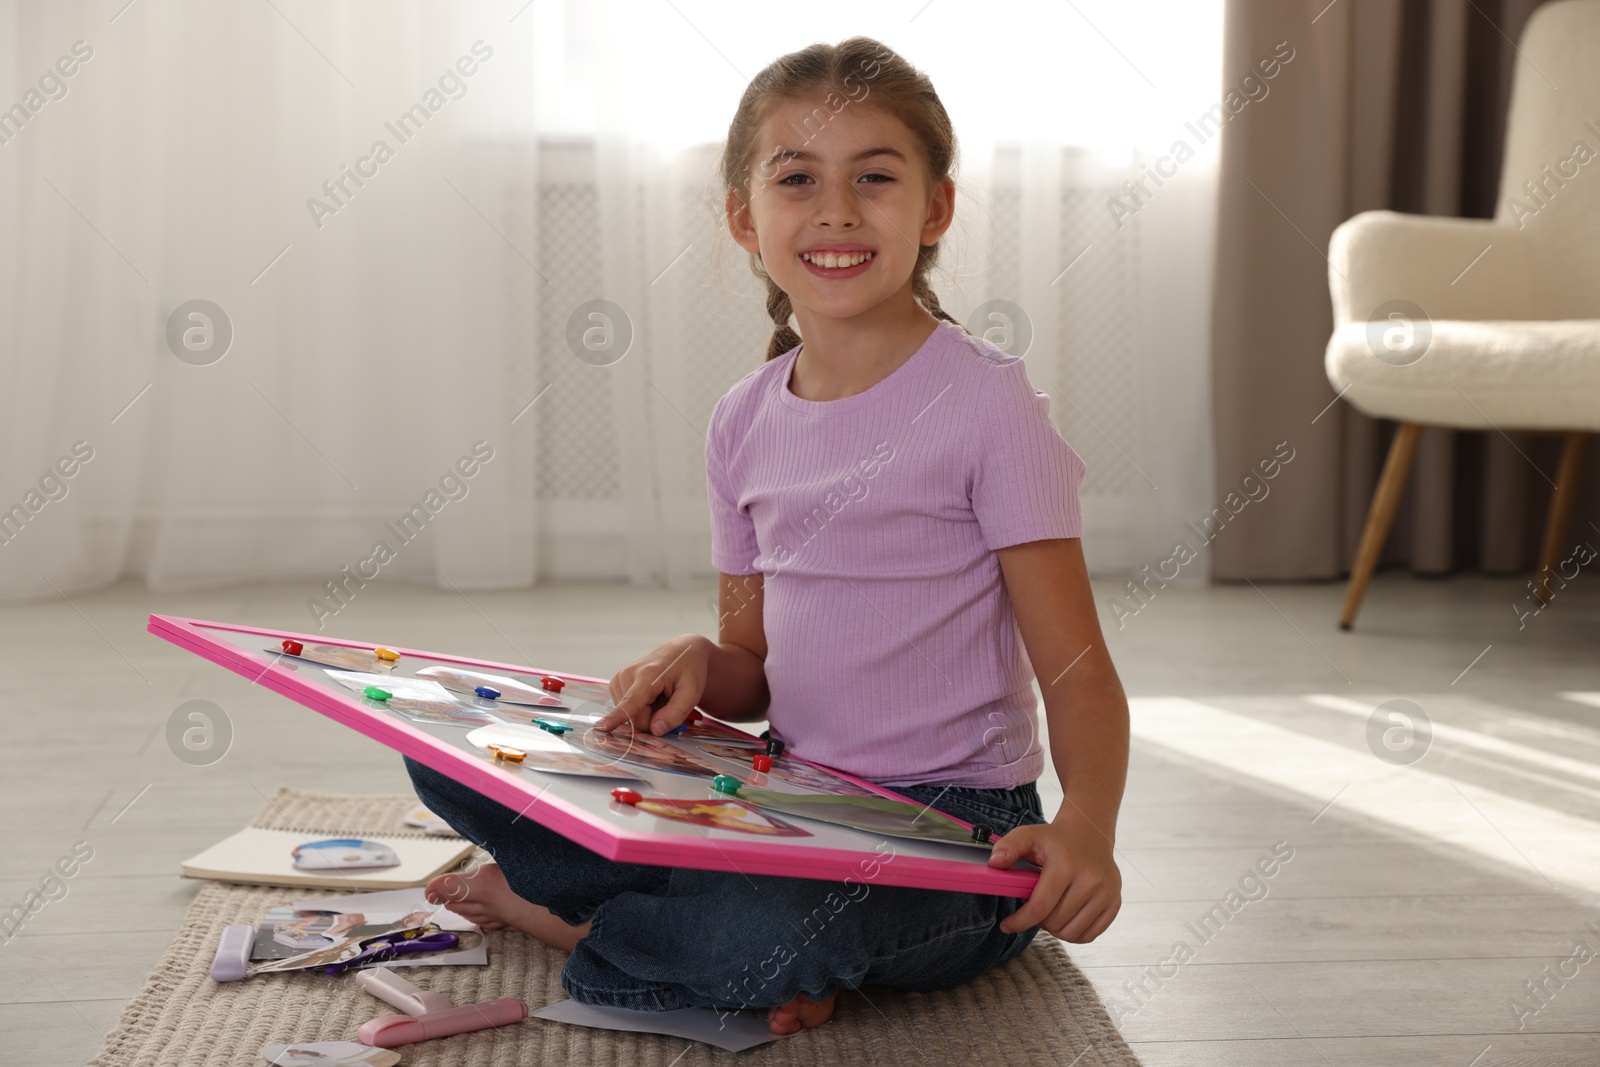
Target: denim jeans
[{"x": 668, "y": 937}]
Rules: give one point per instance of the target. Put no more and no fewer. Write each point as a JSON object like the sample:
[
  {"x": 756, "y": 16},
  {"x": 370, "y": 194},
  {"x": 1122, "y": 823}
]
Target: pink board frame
[{"x": 789, "y": 857}]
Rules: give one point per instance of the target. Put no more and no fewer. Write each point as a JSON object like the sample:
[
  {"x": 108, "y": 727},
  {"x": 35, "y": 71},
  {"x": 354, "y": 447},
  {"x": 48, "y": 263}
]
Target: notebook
[{"x": 265, "y": 857}]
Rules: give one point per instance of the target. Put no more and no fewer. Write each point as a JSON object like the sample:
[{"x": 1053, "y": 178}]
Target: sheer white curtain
[
  {"x": 369, "y": 316},
  {"x": 383, "y": 329},
  {"x": 1055, "y": 106}
]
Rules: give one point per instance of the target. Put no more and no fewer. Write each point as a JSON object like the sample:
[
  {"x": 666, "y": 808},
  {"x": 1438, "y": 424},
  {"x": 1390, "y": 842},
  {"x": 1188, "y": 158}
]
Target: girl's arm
[
  {"x": 1080, "y": 889},
  {"x": 736, "y": 684},
  {"x": 726, "y": 677}
]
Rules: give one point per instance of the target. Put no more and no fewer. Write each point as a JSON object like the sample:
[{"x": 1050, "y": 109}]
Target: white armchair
[{"x": 1487, "y": 324}]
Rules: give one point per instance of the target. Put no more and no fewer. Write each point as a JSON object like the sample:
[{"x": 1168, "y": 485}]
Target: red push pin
[
  {"x": 626, "y": 796},
  {"x": 552, "y": 683},
  {"x": 293, "y": 648},
  {"x": 761, "y": 763}
]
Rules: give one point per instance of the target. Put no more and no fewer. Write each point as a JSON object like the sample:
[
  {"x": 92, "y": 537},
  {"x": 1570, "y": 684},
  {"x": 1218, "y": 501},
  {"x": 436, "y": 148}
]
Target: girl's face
[{"x": 852, "y": 184}]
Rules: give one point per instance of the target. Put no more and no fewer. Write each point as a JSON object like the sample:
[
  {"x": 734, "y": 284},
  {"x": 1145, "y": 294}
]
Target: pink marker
[{"x": 428, "y": 1015}]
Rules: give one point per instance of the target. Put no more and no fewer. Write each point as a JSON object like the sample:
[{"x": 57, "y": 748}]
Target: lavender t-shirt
[{"x": 892, "y": 650}]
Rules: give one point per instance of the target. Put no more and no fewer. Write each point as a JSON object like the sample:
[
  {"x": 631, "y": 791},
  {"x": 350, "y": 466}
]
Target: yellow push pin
[{"x": 386, "y": 653}]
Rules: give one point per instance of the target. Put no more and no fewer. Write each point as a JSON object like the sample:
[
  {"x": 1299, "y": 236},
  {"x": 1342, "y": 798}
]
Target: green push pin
[
  {"x": 372, "y": 692},
  {"x": 552, "y": 726},
  {"x": 725, "y": 783}
]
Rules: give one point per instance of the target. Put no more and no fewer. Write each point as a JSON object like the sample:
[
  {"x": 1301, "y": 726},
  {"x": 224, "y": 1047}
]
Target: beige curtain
[{"x": 1397, "y": 105}]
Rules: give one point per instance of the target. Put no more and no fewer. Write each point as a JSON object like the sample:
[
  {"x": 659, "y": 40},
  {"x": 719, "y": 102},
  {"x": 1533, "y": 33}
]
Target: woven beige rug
[{"x": 1037, "y": 1009}]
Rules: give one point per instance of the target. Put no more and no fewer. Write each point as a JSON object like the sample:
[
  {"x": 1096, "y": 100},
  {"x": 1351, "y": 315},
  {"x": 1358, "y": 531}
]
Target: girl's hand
[
  {"x": 657, "y": 693},
  {"x": 1080, "y": 888}
]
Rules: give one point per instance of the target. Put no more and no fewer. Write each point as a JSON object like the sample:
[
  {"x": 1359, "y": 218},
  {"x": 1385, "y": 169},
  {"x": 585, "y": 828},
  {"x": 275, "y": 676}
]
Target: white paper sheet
[
  {"x": 734, "y": 1031},
  {"x": 329, "y": 1054}
]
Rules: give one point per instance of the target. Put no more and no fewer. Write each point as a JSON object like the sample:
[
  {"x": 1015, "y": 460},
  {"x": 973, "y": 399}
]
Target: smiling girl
[{"x": 896, "y": 524}]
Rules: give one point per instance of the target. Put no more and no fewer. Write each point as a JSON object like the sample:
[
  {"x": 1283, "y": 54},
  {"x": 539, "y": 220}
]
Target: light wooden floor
[{"x": 1418, "y": 902}]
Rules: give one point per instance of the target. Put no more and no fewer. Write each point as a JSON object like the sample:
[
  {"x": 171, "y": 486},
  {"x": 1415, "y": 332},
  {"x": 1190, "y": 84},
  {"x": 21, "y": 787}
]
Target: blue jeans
[{"x": 668, "y": 937}]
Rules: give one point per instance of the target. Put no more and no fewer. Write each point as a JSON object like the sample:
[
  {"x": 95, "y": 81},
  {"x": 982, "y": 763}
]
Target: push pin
[
  {"x": 372, "y": 692},
  {"x": 293, "y": 648},
  {"x": 624, "y": 795},
  {"x": 982, "y": 834},
  {"x": 487, "y": 693},
  {"x": 552, "y": 726},
  {"x": 507, "y": 753},
  {"x": 725, "y": 783},
  {"x": 761, "y": 763},
  {"x": 552, "y": 683},
  {"x": 386, "y": 654},
  {"x": 774, "y": 747}
]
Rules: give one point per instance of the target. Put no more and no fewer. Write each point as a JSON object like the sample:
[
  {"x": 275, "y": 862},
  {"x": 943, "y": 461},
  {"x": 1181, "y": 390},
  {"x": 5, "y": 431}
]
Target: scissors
[{"x": 388, "y": 946}]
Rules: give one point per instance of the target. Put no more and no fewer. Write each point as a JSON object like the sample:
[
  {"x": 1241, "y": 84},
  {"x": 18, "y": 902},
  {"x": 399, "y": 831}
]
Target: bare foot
[
  {"x": 483, "y": 897},
  {"x": 801, "y": 1013}
]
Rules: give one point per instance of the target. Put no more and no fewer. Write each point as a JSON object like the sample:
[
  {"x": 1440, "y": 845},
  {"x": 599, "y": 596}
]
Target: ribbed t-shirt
[{"x": 892, "y": 650}]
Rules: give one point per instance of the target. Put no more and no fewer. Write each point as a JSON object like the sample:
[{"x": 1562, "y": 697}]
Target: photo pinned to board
[
  {"x": 438, "y": 712},
  {"x": 702, "y": 729},
  {"x": 419, "y": 700},
  {"x": 720, "y": 814},
  {"x": 350, "y": 659},
  {"x": 574, "y": 690},
  {"x": 510, "y": 690},
  {"x": 396, "y": 685},
  {"x": 585, "y": 714},
  {"x": 785, "y": 771},
  {"x": 543, "y": 751},
  {"x": 625, "y": 746},
  {"x": 874, "y": 814}
]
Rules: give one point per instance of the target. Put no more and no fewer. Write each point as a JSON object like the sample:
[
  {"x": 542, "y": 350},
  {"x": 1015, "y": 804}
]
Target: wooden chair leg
[
  {"x": 1380, "y": 516},
  {"x": 1562, "y": 500}
]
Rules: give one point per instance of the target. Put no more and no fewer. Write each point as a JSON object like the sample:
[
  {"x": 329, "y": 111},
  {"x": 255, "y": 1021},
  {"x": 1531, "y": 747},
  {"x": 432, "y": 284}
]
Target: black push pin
[
  {"x": 982, "y": 834},
  {"x": 774, "y": 747}
]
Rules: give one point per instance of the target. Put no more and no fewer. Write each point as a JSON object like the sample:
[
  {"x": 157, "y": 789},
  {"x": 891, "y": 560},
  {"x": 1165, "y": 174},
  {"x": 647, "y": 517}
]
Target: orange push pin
[
  {"x": 507, "y": 753},
  {"x": 386, "y": 653}
]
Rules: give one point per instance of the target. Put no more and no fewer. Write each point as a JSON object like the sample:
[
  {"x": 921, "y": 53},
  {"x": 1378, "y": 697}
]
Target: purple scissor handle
[{"x": 388, "y": 946}]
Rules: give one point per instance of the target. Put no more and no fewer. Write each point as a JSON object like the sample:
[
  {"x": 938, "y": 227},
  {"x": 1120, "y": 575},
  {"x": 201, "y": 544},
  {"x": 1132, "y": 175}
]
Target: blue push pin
[{"x": 486, "y": 693}]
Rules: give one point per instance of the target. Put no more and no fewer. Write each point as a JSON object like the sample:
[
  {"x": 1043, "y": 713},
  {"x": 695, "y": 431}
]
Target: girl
[{"x": 892, "y": 510}]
